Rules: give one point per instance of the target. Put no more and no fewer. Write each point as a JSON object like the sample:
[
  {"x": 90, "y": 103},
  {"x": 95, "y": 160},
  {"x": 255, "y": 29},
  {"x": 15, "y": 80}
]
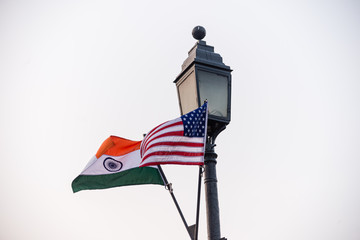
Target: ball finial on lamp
[{"x": 199, "y": 32}]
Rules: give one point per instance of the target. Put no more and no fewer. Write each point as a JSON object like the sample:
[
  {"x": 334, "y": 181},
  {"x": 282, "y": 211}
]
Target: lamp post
[{"x": 204, "y": 76}]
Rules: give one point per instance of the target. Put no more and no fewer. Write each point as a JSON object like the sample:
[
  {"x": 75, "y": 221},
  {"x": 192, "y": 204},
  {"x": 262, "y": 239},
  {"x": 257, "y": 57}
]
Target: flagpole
[
  {"x": 169, "y": 187},
  {"x": 198, "y": 204}
]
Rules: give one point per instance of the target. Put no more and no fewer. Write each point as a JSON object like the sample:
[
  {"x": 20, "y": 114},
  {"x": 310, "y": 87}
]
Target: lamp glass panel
[
  {"x": 188, "y": 94},
  {"x": 214, "y": 88}
]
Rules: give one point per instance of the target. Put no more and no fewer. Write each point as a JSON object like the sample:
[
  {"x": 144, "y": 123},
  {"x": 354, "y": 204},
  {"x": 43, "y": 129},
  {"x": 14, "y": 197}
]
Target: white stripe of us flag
[{"x": 179, "y": 141}]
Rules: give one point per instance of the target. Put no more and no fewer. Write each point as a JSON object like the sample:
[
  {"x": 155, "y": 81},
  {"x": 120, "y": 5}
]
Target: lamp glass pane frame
[{"x": 222, "y": 79}]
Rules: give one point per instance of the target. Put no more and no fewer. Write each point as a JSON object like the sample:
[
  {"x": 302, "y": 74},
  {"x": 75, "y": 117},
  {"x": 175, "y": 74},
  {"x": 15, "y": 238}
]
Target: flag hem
[{"x": 144, "y": 175}]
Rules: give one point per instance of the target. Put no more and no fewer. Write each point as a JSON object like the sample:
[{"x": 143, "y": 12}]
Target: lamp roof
[{"x": 203, "y": 54}]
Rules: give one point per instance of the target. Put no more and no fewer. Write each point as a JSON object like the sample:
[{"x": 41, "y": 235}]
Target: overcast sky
[{"x": 74, "y": 72}]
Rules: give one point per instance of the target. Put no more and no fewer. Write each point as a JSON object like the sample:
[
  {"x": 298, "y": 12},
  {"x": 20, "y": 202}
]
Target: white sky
[{"x": 74, "y": 72}]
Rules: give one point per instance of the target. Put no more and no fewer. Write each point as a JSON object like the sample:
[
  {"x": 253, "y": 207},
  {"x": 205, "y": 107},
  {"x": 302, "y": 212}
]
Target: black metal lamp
[{"x": 205, "y": 77}]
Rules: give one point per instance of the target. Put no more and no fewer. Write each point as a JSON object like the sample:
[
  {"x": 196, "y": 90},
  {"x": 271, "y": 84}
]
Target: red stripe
[
  {"x": 149, "y": 133},
  {"x": 177, "y": 133},
  {"x": 172, "y": 162},
  {"x": 183, "y": 144},
  {"x": 163, "y": 153},
  {"x": 147, "y": 137},
  {"x": 168, "y": 126},
  {"x": 155, "y": 130}
]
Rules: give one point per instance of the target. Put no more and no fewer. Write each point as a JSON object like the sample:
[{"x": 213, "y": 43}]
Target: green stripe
[{"x": 135, "y": 176}]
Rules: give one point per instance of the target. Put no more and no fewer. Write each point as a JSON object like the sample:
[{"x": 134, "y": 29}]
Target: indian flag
[{"x": 115, "y": 164}]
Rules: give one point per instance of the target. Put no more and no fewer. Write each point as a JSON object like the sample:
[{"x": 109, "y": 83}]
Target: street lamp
[{"x": 205, "y": 77}]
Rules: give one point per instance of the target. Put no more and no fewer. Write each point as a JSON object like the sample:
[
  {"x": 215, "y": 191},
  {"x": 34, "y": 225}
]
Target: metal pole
[
  {"x": 169, "y": 187},
  {"x": 198, "y": 205},
  {"x": 211, "y": 193}
]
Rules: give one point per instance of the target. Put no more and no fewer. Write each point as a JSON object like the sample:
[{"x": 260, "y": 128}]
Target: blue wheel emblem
[{"x": 112, "y": 165}]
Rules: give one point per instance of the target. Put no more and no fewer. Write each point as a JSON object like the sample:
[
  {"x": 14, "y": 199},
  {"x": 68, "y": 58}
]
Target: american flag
[{"x": 179, "y": 141}]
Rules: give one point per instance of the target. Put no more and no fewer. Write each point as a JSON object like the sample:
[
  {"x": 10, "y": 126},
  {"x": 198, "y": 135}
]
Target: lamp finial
[{"x": 199, "y": 32}]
